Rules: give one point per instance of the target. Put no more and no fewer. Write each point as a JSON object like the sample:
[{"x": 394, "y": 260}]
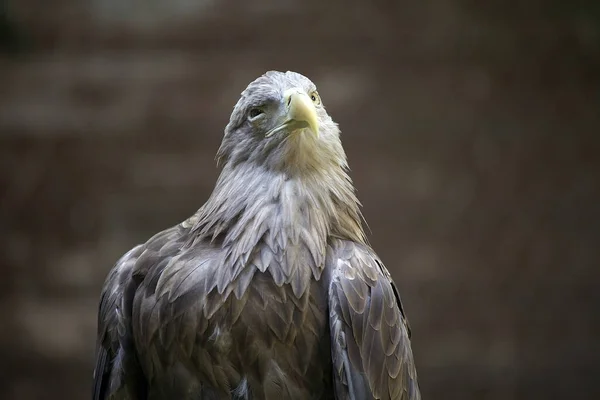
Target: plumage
[{"x": 270, "y": 290}]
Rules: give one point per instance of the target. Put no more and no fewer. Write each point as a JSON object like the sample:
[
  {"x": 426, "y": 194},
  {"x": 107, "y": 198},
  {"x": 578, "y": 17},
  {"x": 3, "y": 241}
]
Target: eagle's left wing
[{"x": 370, "y": 345}]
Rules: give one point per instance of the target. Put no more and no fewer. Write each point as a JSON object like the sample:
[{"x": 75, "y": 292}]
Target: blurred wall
[{"x": 471, "y": 128}]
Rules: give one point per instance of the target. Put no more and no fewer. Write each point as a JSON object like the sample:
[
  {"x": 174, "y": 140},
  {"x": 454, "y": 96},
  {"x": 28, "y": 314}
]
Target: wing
[
  {"x": 371, "y": 350},
  {"x": 113, "y": 346}
]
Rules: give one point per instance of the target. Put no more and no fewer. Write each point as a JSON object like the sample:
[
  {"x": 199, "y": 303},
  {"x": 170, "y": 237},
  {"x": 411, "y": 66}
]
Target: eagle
[{"x": 270, "y": 290}]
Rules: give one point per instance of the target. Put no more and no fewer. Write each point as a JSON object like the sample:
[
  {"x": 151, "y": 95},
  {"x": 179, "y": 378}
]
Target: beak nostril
[{"x": 289, "y": 100}]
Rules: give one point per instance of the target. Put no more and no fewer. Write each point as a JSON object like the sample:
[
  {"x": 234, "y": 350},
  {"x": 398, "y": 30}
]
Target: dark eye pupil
[
  {"x": 313, "y": 98},
  {"x": 255, "y": 112}
]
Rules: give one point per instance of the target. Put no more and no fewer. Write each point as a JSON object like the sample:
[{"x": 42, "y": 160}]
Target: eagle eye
[
  {"x": 255, "y": 112},
  {"x": 314, "y": 96}
]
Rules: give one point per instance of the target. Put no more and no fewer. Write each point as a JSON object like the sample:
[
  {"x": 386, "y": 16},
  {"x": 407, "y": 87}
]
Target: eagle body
[{"x": 270, "y": 290}]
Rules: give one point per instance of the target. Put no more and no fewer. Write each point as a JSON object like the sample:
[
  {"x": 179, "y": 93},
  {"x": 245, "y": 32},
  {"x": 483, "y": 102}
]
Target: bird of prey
[{"x": 270, "y": 290}]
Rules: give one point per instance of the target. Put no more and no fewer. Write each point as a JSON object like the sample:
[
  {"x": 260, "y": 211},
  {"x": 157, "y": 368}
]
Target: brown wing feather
[{"x": 371, "y": 349}]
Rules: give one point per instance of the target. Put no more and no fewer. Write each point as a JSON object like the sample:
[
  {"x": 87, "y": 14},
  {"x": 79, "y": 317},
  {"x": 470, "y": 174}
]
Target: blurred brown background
[{"x": 471, "y": 129}]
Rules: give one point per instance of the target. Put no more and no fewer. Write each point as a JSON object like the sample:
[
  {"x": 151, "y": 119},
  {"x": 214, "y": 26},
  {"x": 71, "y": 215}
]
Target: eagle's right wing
[{"x": 114, "y": 350}]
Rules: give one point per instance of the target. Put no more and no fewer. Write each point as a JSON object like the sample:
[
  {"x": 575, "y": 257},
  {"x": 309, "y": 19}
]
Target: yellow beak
[{"x": 301, "y": 108}]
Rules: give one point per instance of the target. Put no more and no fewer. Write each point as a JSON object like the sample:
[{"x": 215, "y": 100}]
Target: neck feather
[{"x": 251, "y": 203}]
